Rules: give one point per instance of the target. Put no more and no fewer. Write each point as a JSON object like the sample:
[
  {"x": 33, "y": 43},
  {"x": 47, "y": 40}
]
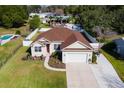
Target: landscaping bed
[
  {"x": 56, "y": 63},
  {"x": 28, "y": 57}
]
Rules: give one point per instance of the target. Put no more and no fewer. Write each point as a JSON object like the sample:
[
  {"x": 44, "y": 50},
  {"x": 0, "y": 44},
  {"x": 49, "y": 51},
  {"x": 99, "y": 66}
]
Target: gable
[
  {"x": 76, "y": 45},
  {"x": 36, "y": 44}
]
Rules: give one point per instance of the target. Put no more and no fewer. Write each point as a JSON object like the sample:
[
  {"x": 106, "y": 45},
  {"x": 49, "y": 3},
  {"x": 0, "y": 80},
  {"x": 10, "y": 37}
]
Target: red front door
[{"x": 48, "y": 48}]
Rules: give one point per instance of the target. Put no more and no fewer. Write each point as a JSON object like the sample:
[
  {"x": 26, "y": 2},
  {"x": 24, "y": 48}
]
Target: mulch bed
[{"x": 56, "y": 63}]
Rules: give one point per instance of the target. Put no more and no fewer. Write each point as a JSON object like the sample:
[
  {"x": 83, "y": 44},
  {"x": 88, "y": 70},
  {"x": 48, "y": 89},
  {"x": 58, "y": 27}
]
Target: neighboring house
[
  {"x": 119, "y": 48},
  {"x": 42, "y": 15},
  {"x": 76, "y": 27},
  {"x": 45, "y": 17},
  {"x": 73, "y": 45}
]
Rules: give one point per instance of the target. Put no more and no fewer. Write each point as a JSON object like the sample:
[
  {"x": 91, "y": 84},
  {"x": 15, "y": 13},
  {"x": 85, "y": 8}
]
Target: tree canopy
[
  {"x": 103, "y": 16},
  {"x": 13, "y": 16},
  {"x": 34, "y": 22}
]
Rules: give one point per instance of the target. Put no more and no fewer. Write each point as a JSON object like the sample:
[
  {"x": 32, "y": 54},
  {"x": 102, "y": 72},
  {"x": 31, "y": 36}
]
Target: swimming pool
[{"x": 5, "y": 37}]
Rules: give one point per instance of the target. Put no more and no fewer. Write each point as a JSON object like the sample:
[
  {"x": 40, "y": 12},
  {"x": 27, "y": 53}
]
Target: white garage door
[{"x": 76, "y": 57}]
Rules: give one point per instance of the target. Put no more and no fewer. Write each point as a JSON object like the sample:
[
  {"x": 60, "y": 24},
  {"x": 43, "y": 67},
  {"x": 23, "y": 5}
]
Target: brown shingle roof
[
  {"x": 64, "y": 34},
  {"x": 76, "y": 36},
  {"x": 56, "y": 34}
]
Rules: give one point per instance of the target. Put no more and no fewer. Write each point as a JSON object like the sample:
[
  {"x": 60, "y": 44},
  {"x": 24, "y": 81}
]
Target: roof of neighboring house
[
  {"x": 119, "y": 42},
  {"x": 64, "y": 34},
  {"x": 120, "y": 45}
]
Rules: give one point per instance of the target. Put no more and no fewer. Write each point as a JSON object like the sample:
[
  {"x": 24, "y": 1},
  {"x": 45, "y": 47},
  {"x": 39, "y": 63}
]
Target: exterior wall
[
  {"x": 52, "y": 46},
  {"x": 89, "y": 55},
  {"x": 44, "y": 49},
  {"x": 27, "y": 43},
  {"x": 43, "y": 52},
  {"x": 76, "y": 45}
]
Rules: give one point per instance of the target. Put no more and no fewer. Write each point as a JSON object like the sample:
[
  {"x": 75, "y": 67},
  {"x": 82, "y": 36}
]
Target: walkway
[
  {"x": 46, "y": 65},
  {"x": 105, "y": 74},
  {"x": 79, "y": 75}
]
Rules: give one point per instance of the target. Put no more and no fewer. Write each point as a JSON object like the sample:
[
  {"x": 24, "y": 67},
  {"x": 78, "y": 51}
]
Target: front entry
[{"x": 48, "y": 48}]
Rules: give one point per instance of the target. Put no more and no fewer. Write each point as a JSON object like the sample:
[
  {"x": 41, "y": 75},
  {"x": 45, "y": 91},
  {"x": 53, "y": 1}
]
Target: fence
[
  {"x": 27, "y": 40},
  {"x": 32, "y": 34}
]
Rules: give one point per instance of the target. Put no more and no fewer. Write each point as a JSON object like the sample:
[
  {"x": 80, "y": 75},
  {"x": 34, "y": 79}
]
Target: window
[
  {"x": 57, "y": 46},
  {"x": 38, "y": 49}
]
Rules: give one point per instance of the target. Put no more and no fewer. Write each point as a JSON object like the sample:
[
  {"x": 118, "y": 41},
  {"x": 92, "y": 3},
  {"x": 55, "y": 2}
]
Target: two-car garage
[{"x": 76, "y": 57}]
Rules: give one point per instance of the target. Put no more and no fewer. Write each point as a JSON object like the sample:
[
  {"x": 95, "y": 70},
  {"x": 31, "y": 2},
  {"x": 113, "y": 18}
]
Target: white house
[{"x": 73, "y": 45}]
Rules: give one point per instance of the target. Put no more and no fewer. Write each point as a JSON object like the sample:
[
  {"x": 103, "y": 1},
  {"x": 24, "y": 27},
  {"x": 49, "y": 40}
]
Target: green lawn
[
  {"x": 117, "y": 64},
  {"x": 8, "y": 49},
  {"x": 29, "y": 74},
  {"x": 44, "y": 26}
]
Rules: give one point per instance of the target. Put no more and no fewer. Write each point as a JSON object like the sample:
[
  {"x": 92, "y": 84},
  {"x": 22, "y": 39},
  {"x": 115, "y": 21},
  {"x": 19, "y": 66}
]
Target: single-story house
[
  {"x": 119, "y": 47},
  {"x": 73, "y": 45}
]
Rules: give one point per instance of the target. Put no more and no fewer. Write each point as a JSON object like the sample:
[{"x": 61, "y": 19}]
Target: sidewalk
[{"x": 48, "y": 67}]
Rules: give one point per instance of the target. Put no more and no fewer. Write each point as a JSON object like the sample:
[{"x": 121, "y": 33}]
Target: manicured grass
[
  {"x": 8, "y": 49},
  {"x": 29, "y": 74},
  {"x": 117, "y": 64},
  {"x": 44, "y": 25}
]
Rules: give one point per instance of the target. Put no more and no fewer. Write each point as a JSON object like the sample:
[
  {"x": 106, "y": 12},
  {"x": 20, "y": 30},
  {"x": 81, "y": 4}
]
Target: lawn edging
[{"x": 46, "y": 65}]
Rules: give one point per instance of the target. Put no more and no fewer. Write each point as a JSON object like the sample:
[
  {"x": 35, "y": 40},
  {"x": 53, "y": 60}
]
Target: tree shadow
[
  {"x": 58, "y": 55},
  {"x": 109, "y": 48},
  {"x": 28, "y": 50}
]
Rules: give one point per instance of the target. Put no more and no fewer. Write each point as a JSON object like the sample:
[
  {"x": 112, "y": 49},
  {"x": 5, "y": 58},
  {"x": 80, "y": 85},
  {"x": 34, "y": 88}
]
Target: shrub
[
  {"x": 26, "y": 57},
  {"x": 94, "y": 58},
  {"x": 18, "y": 32},
  {"x": 57, "y": 55}
]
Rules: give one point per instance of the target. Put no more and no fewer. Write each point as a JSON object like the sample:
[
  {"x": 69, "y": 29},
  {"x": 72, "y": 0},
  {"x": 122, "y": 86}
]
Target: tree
[
  {"x": 34, "y": 8},
  {"x": 6, "y": 21},
  {"x": 13, "y": 16},
  {"x": 101, "y": 16},
  {"x": 118, "y": 23},
  {"x": 18, "y": 32},
  {"x": 34, "y": 22}
]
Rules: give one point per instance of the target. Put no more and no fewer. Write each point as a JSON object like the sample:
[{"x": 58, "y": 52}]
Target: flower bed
[{"x": 56, "y": 63}]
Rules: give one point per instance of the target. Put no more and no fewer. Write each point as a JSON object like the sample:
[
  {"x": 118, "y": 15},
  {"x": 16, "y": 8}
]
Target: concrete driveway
[
  {"x": 105, "y": 73},
  {"x": 80, "y": 75}
]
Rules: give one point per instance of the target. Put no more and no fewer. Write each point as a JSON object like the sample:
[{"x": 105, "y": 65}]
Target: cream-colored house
[{"x": 73, "y": 45}]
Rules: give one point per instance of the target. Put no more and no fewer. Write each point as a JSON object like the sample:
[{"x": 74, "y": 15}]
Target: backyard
[
  {"x": 8, "y": 49},
  {"x": 26, "y": 74}
]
